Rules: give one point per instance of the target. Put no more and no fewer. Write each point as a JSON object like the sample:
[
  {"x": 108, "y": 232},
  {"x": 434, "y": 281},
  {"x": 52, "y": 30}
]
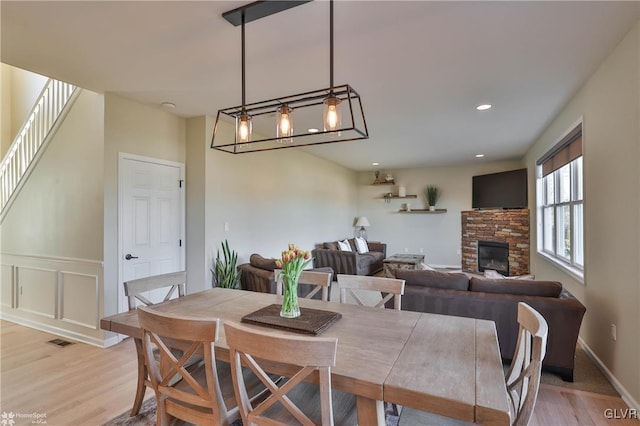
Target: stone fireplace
[{"x": 507, "y": 230}]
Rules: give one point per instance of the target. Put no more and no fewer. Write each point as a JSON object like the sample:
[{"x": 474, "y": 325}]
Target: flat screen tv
[{"x": 504, "y": 190}]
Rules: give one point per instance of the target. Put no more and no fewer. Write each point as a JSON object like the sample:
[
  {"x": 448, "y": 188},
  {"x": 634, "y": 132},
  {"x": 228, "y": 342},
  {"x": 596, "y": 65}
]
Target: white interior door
[{"x": 151, "y": 220}]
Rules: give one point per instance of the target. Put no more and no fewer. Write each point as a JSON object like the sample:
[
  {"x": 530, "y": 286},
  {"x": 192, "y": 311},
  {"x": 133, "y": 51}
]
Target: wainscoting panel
[
  {"x": 37, "y": 291},
  {"x": 62, "y": 296},
  {"x": 78, "y": 292},
  {"x": 7, "y": 285}
]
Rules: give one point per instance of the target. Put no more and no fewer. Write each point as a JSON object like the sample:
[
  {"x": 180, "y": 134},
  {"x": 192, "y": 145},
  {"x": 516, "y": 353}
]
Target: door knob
[{"x": 129, "y": 257}]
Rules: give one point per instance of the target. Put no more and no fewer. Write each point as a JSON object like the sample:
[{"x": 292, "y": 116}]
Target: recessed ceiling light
[
  {"x": 375, "y": 164},
  {"x": 479, "y": 155},
  {"x": 168, "y": 105},
  {"x": 483, "y": 107},
  {"x": 313, "y": 130}
]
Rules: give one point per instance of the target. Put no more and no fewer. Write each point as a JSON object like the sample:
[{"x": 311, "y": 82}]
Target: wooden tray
[{"x": 311, "y": 321}]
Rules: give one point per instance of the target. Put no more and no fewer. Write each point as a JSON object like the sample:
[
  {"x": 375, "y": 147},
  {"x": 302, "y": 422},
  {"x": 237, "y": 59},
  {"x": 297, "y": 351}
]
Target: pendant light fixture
[
  {"x": 331, "y": 111},
  {"x": 243, "y": 121},
  {"x": 337, "y": 110}
]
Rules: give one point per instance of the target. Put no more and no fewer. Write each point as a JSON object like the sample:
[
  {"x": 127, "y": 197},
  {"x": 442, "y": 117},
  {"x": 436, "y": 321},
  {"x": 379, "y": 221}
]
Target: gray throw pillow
[{"x": 262, "y": 263}]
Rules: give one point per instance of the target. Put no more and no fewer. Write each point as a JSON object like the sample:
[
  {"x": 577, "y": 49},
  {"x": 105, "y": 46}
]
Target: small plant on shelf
[{"x": 433, "y": 194}]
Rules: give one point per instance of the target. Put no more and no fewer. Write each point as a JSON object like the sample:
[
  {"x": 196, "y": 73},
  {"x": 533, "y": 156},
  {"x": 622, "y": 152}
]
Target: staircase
[{"x": 48, "y": 112}]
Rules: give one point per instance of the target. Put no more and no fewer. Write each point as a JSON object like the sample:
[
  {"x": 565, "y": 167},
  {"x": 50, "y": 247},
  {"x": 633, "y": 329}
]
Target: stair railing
[{"x": 32, "y": 137}]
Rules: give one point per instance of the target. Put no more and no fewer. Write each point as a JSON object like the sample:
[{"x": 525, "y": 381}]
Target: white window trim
[
  {"x": 568, "y": 268},
  {"x": 575, "y": 273}
]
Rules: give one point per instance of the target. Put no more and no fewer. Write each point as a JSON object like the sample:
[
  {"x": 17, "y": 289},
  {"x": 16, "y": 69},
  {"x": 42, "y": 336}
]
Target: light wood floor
[{"x": 85, "y": 385}]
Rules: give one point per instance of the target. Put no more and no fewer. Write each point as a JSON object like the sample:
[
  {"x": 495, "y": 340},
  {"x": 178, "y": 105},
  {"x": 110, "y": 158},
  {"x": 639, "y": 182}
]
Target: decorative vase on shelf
[
  {"x": 432, "y": 208},
  {"x": 402, "y": 192},
  {"x": 290, "y": 307}
]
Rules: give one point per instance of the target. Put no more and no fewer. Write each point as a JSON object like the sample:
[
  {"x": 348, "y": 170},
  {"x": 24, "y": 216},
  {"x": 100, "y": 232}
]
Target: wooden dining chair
[
  {"x": 394, "y": 289},
  {"x": 293, "y": 400},
  {"x": 137, "y": 292},
  {"x": 203, "y": 395},
  {"x": 320, "y": 281},
  {"x": 522, "y": 378}
]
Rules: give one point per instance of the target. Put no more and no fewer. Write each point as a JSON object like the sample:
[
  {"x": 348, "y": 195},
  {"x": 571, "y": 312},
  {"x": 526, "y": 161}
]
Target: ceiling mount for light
[{"x": 337, "y": 110}]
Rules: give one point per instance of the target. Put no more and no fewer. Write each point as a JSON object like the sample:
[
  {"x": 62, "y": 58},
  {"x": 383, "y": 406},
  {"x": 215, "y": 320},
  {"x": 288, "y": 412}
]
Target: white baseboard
[
  {"x": 89, "y": 340},
  {"x": 626, "y": 396}
]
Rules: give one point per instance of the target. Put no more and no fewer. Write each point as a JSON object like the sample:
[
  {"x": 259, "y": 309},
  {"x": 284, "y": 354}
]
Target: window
[{"x": 560, "y": 203}]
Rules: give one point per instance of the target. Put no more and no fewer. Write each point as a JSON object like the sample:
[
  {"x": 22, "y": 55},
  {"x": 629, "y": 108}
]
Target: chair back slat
[
  {"x": 321, "y": 281},
  {"x": 393, "y": 287},
  {"x": 135, "y": 289},
  {"x": 523, "y": 376},
  {"x": 310, "y": 354}
]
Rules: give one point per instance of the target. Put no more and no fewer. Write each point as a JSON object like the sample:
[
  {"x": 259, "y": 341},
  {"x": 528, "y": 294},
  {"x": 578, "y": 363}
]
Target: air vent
[{"x": 60, "y": 343}]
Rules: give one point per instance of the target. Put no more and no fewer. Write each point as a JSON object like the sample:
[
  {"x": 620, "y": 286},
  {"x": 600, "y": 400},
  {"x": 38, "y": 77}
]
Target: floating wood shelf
[
  {"x": 423, "y": 211},
  {"x": 397, "y": 196},
  {"x": 384, "y": 182}
]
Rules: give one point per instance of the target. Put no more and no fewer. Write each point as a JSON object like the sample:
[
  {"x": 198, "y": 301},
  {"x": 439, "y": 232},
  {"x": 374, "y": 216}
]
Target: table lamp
[{"x": 362, "y": 222}]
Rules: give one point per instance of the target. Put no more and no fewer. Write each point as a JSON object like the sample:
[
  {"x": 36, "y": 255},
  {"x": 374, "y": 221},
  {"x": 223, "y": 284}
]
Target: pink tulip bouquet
[{"x": 292, "y": 262}]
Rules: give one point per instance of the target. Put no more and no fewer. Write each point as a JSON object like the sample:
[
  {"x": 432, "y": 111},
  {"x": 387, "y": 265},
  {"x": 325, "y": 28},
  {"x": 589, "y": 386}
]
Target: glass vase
[{"x": 290, "y": 307}]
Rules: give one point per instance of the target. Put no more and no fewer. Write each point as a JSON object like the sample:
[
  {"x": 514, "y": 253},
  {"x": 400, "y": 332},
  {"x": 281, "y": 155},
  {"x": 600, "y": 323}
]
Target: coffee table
[{"x": 401, "y": 261}]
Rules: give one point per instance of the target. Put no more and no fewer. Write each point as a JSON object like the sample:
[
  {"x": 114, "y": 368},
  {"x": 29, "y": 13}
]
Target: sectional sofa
[{"x": 350, "y": 262}]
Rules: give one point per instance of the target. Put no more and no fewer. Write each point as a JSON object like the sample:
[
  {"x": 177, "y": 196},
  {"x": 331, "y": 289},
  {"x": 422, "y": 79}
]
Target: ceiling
[{"x": 421, "y": 67}]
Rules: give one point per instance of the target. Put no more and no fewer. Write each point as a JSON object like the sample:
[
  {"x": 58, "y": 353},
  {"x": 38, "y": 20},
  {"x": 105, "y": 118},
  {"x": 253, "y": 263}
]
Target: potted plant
[
  {"x": 225, "y": 273},
  {"x": 433, "y": 194}
]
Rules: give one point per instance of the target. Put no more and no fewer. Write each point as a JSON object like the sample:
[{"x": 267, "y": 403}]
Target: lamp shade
[{"x": 363, "y": 221}]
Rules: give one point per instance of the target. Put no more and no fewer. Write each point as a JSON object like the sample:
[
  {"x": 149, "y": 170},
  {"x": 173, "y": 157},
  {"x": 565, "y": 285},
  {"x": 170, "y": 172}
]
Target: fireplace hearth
[{"x": 493, "y": 255}]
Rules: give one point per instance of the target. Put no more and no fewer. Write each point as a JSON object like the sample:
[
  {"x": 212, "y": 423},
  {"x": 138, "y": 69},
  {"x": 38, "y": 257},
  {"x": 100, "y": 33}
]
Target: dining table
[{"x": 446, "y": 365}]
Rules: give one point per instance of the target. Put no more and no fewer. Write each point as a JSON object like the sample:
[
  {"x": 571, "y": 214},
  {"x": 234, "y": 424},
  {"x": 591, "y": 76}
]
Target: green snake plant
[{"x": 225, "y": 271}]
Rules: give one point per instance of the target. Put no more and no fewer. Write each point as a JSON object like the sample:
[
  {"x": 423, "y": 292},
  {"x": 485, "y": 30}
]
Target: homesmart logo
[{"x": 11, "y": 418}]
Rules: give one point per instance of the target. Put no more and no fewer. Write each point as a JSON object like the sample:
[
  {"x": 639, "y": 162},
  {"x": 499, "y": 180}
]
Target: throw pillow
[
  {"x": 262, "y": 263},
  {"x": 344, "y": 245},
  {"x": 331, "y": 245},
  {"x": 361, "y": 245}
]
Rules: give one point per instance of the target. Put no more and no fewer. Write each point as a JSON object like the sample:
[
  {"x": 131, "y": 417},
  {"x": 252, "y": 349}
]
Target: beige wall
[
  {"x": 138, "y": 129},
  {"x": 274, "y": 198},
  {"x": 19, "y": 91},
  {"x": 438, "y": 235},
  {"x": 59, "y": 210},
  {"x": 52, "y": 234},
  {"x": 610, "y": 104},
  {"x": 198, "y": 134},
  {"x": 5, "y": 109}
]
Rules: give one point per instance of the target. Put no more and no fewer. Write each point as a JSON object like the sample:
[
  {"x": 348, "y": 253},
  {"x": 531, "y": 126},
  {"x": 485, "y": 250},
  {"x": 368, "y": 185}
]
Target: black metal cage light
[{"x": 329, "y": 115}]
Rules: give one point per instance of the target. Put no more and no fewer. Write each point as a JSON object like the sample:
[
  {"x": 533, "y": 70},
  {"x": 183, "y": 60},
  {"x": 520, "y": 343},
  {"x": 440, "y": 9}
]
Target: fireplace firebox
[{"x": 493, "y": 255}]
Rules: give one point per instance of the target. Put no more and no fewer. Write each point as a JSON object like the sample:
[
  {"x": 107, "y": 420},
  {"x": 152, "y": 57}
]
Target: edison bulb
[
  {"x": 243, "y": 128},
  {"x": 284, "y": 124},
  {"x": 332, "y": 116}
]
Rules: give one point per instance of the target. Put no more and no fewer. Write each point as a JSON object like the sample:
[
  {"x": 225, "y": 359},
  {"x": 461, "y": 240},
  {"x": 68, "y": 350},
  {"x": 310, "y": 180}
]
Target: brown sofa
[
  {"x": 257, "y": 275},
  {"x": 350, "y": 262},
  {"x": 497, "y": 300}
]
